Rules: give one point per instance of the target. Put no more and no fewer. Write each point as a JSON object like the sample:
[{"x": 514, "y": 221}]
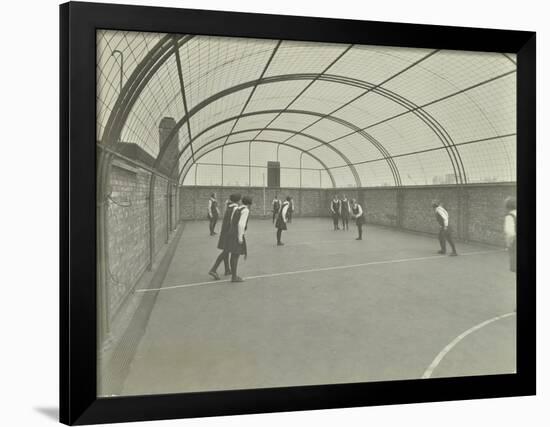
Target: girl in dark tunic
[
  {"x": 236, "y": 242},
  {"x": 282, "y": 219},
  {"x": 213, "y": 213},
  {"x": 344, "y": 212},
  {"x": 335, "y": 210},
  {"x": 276, "y": 205},
  {"x": 234, "y": 199},
  {"x": 359, "y": 215}
]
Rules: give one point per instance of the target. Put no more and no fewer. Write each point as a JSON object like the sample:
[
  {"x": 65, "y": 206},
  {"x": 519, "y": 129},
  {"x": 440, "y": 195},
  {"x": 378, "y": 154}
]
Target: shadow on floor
[{"x": 50, "y": 412}]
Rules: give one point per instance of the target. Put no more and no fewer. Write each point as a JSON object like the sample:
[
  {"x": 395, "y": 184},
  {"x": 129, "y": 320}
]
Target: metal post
[
  {"x": 263, "y": 185},
  {"x": 301, "y": 155},
  {"x": 222, "y": 165},
  {"x": 249, "y": 169},
  {"x": 320, "y": 179},
  {"x": 196, "y": 171}
]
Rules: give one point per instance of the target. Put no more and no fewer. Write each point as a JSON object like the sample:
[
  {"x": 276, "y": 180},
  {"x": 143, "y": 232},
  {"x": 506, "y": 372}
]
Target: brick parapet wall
[
  {"x": 476, "y": 211},
  {"x": 128, "y": 228},
  {"x": 128, "y": 232}
]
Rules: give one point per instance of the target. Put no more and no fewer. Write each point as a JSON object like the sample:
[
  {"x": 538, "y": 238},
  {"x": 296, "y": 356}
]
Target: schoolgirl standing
[
  {"x": 290, "y": 209},
  {"x": 344, "y": 212},
  {"x": 236, "y": 239},
  {"x": 275, "y": 205},
  {"x": 213, "y": 213},
  {"x": 231, "y": 204},
  {"x": 335, "y": 210},
  {"x": 359, "y": 216},
  {"x": 282, "y": 219}
]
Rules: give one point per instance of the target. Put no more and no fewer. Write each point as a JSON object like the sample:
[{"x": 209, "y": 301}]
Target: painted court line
[
  {"x": 454, "y": 342},
  {"x": 313, "y": 270}
]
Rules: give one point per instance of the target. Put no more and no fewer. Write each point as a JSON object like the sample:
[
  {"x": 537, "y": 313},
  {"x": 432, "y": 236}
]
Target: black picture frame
[{"x": 79, "y": 403}]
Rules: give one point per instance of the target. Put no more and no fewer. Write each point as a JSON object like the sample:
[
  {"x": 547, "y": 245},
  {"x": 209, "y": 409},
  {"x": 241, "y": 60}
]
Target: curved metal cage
[{"x": 334, "y": 115}]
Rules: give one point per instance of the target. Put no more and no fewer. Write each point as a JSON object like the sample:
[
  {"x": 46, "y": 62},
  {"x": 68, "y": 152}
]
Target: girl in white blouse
[{"x": 359, "y": 216}]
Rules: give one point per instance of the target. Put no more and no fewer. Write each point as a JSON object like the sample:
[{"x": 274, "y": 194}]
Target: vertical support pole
[
  {"x": 222, "y": 164},
  {"x": 301, "y": 155},
  {"x": 320, "y": 179},
  {"x": 195, "y": 191},
  {"x": 249, "y": 165},
  {"x": 263, "y": 185}
]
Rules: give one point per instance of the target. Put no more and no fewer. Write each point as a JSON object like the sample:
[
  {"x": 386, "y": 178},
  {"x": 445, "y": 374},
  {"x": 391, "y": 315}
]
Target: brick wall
[
  {"x": 128, "y": 234},
  {"x": 485, "y": 213},
  {"x": 417, "y": 213},
  {"x": 380, "y": 205},
  {"x": 476, "y": 211},
  {"x": 193, "y": 201},
  {"x": 160, "y": 203}
]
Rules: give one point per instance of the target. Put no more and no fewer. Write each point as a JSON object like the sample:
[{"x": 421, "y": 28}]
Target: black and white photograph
[
  {"x": 277, "y": 213},
  {"x": 288, "y": 213}
]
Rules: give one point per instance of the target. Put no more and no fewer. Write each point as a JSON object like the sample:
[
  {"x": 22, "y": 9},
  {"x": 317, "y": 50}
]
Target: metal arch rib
[
  {"x": 347, "y": 162},
  {"x": 275, "y": 111},
  {"x": 146, "y": 69},
  {"x": 338, "y": 120},
  {"x": 187, "y": 167},
  {"x": 417, "y": 110}
]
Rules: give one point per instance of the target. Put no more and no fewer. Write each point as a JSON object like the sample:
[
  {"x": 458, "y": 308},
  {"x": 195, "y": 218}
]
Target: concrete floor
[{"x": 385, "y": 317}]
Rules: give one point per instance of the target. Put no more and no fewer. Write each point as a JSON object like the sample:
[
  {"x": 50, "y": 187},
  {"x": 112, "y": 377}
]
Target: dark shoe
[
  {"x": 441, "y": 252},
  {"x": 359, "y": 238},
  {"x": 214, "y": 233},
  {"x": 214, "y": 275},
  {"x": 237, "y": 279},
  {"x": 227, "y": 273},
  {"x": 453, "y": 254},
  {"x": 280, "y": 244}
]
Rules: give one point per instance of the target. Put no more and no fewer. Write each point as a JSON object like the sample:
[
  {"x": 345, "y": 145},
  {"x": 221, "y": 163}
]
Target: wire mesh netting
[{"x": 331, "y": 114}]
